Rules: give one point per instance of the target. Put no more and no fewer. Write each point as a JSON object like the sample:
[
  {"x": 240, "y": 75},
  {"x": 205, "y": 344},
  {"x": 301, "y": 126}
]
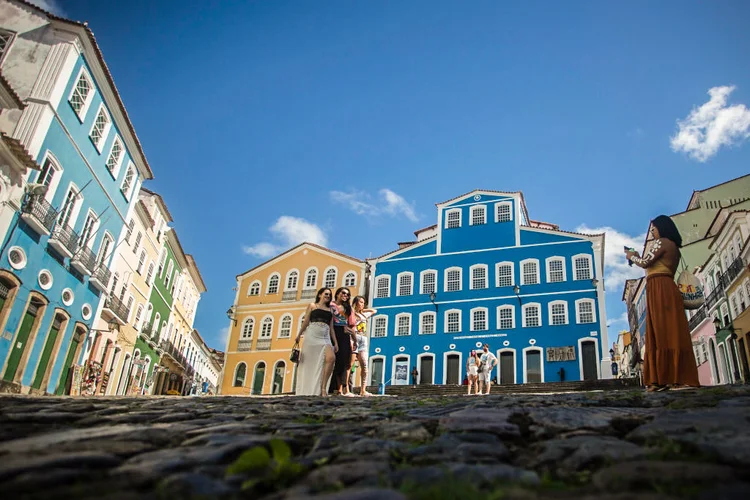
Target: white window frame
[
  {"x": 168, "y": 276},
  {"x": 578, "y": 311},
  {"x": 460, "y": 278},
  {"x": 591, "y": 267},
  {"x": 539, "y": 314},
  {"x": 115, "y": 170},
  {"x": 397, "y": 326},
  {"x": 510, "y": 210},
  {"x": 447, "y": 217},
  {"x": 127, "y": 191},
  {"x": 473, "y": 210},
  {"x": 426, "y": 314},
  {"x": 75, "y": 205},
  {"x": 350, "y": 279},
  {"x": 471, "y": 276},
  {"x": 263, "y": 322},
  {"x": 512, "y": 274},
  {"x": 105, "y": 133},
  {"x": 248, "y": 321},
  {"x": 541, "y": 361},
  {"x": 162, "y": 264},
  {"x": 549, "y": 312},
  {"x": 335, "y": 277},
  {"x": 422, "y": 275},
  {"x": 445, "y": 320},
  {"x": 548, "y": 261},
  {"x": 287, "y": 288},
  {"x": 472, "y": 326},
  {"x": 141, "y": 262},
  {"x": 281, "y": 326},
  {"x": 378, "y": 280},
  {"x": 55, "y": 180},
  {"x": 250, "y": 288},
  {"x": 278, "y": 284},
  {"x": 91, "y": 235},
  {"x": 399, "y": 277},
  {"x": 375, "y": 329},
  {"x": 308, "y": 272},
  {"x": 523, "y": 274},
  {"x": 150, "y": 273},
  {"x": 506, "y": 307},
  {"x": 81, "y": 115}
]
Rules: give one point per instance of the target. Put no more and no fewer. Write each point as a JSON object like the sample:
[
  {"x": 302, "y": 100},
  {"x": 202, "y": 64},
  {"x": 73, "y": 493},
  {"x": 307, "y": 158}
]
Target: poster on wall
[
  {"x": 75, "y": 382},
  {"x": 402, "y": 373}
]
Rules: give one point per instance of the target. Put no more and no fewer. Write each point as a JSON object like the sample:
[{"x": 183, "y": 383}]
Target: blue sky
[{"x": 268, "y": 122}]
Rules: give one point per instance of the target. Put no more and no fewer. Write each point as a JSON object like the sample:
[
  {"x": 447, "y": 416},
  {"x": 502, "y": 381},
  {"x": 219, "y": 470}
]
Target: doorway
[
  {"x": 426, "y": 366},
  {"x": 49, "y": 353},
  {"x": 30, "y": 322},
  {"x": 259, "y": 378},
  {"x": 277, "y": 387},
  {"x": 376, "y": 372},
  {"x": 533, "y": 366},
  {"x": 70, "y": 361},
  {"x": 507, "y": 367},
  {"x": 589, "y": 360},
  {"x": 743, "y": 359},
  {"x": 452, "y": 370}
]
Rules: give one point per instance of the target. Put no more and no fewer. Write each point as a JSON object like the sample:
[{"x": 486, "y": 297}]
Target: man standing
[
  {"x": 487, "y": 362},
  {"x": 414, "y": 374}
]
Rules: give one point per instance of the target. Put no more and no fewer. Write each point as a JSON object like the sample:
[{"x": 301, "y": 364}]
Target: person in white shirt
[{"x": 487, "y": 362}]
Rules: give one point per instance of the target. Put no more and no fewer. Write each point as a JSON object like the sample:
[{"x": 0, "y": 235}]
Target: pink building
[{"x": 711, "y": 369}]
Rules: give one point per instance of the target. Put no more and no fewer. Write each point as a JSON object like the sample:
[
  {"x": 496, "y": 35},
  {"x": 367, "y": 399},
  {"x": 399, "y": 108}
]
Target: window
[
  {"x": 383, "y": 287},
  {"x": 585, "y": 311},
  {"x": 49, "y": 176},
  {"x": 428, "y": 282},
  {"x": 168, "y": 277},
  {"x": 555, "y": 270},
  {"x": 405, "y": 284},
  {"x": 266, "y": 328},
  {"x": 150, "y": 273},
  {"x": 558, "y": 313},
  {"x": 162, "y": 261},
  {"x": 582, "y": 267},
  {"x": 506, "y": 317},
  {"x": 453, "y": 218},
  {"x": 532, "y": 315},
  {"x": 131, "y": 226},
  {"x": 128, "y": 182},
  {"x": 380, "y": 326},
  {"x": 247, "y": 328},
  {"x": 478, "y": 277},
  {"x": 479, "y": 319},
  {"x": 129, "y": 307},
  {"x": 138, "y": 315},
  {"x": 743, "y": 302},
  {"x": 478, "y": 215},
  {"x": 738, "y": 242},
  {"x": 311, "y": 278},
  {"x": 100, "y": 128},
  {"x": 239, "y": 375},
  {"x": 291, "y": 280},
  {"x": 115, "y": 157},
  {"x": 453, "y": 279},
  {"x": 530, "y": 272},
  {"x": 350, "y": 279},
  {"x": 504, "y": 272},
  {"x": 735, "y": 312},
  {"x": 403, "y": 324},
  {"x": 330, "y": 279},
  {"x": 273, "y": 284},
  {"x": 66, "y": 217},
  {"x": 285, "y": 326},
  {"x": 141, "y": 262},
  {"x": 426, "y": 323},
  {"x": 452, "y": 321},
  {"x": 503, "y": 212},
  {"x": 254, "y": 288},
  {"x": 81, "y": 96},
  {"x": 6, "y": 39},
  {"x": 89, "y": 229},
  {"x": 137, "y": 241}
]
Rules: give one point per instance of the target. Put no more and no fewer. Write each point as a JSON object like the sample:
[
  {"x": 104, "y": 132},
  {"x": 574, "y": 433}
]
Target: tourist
[
  {"x": 487, "y": 362},
  {"x": 669, "y": 361},
  {"x": 342, "y": 323},
  {"x": 361, "y": 314},
  {"x": 318, "y": 349},
  {"x": 414, "y": 375},
  {"x": 472, "y": 369}
]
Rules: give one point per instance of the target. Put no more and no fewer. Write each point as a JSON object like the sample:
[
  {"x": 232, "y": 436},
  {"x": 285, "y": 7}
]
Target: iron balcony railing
[
  {"x": 245, "y": 345},
  {"x": 263, "y": 345},
  {"x": 715, "y": 295},
  {"x": 37, "y": 212},
  {"x": 118, "y": 308},
  {"x": 696, "y": 320},
  {"x": 289, "y": 296},
  {"x": 147, "y": 330},
  {"x": 101, "y": 276},
  {"x": 308, "y": 294},
  {"x": 734, "y": 270},
  {"x": 169, "y": 348},
  {"x": 64, "y": 239},
  {"x": 84, "y": 260}
]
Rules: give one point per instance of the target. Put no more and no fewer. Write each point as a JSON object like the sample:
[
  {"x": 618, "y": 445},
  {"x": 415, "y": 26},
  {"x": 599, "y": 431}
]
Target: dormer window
[
  {"x": 453, "y": 218},
  {"x": 478, "y": 215},
  {"x": 503, "y": 212}
]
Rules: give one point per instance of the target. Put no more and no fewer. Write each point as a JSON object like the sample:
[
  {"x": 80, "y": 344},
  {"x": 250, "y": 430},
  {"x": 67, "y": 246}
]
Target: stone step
[{"x": 549, "y": 387}]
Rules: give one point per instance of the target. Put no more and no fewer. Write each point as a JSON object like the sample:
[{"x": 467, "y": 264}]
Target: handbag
[
  {"x": 691, "y": 289},
  {"x": 294, "y": 356}
]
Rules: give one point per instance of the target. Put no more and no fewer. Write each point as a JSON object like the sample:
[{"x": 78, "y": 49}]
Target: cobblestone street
[{"x": 617, "y": 444}]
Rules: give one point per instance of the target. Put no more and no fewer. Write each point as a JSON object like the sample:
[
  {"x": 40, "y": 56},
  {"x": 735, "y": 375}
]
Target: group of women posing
[{"x": 335, "y": 334}]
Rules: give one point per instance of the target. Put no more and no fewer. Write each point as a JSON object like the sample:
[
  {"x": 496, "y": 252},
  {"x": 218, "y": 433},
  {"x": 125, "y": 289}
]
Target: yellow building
[{"x": 268, "y": 311}]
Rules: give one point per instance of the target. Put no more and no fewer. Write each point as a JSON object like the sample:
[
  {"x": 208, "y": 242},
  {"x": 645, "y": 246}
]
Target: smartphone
[{"x": 627, "y": 248}]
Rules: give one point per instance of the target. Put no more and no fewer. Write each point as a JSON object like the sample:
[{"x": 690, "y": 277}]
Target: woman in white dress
[
  {"x": 317, "y": 354},
  {"x": 472, "y": 369},
  {"x": 361, "y": 314}
]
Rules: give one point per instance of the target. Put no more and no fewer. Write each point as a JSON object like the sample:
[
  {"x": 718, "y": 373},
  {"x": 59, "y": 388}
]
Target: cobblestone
[{"x": 610, "y": 445}]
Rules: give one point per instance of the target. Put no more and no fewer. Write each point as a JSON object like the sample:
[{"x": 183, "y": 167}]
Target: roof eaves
[
  {"x": 11, "y": 91},
  {"x": 197, "y": 277},
  {"x": 314, "y": 245},
  {"x": 19, "y": 152}
]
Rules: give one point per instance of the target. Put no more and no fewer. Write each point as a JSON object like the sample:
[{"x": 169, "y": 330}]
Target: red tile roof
[
  {"x": 20, "y": 152},
  {"x": 9, "y": 88}
]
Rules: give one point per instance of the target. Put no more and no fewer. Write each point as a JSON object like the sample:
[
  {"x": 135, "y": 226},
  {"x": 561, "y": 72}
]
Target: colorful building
[
  {"x": 486, "y": 273},
  {"x": 268, "y": 310},
  {"x": 58, "y": 247}
]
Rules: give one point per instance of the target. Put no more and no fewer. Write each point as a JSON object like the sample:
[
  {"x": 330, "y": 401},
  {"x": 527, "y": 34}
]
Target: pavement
[{"x": 612, "y": 445}]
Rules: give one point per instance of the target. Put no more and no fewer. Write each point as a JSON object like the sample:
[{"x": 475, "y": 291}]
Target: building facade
[
  {"x": 57, "y": 250},
  {"x": 268, "y": 310},
  {"x": 486, "y": 273}
]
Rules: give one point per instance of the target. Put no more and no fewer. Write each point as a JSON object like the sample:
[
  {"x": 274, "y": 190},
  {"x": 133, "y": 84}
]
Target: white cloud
[
  {"x": 616, "y": 269},
  {"x": 711, "y": 126},
  {"x": 223, "y": 337},
  {"x": 389, "y": 203},
  {"x": 288, "y": 231},
  {"x": 263, "y": 250}
]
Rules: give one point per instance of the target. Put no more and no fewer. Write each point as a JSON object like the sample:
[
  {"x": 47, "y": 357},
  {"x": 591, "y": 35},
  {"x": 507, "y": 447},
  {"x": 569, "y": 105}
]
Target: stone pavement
[{"x": 593, "y": 445}]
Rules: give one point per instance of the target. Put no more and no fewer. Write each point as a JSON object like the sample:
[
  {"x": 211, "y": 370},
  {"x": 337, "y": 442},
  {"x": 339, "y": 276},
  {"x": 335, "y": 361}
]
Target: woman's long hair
[
  {"x": 355, "y": 301},
  {"x": 347, "y": 305},
  {"x": 667, "y": 229},
  {"x": 320, "y": 294}
]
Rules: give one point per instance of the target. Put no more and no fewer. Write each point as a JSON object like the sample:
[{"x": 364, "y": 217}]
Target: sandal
[{"x": 657, "y": 388}]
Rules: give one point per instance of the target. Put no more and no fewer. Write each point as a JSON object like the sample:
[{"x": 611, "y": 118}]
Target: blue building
[
  {"x": 486, "y": 273},
  {"x": 55, "y": 256}
]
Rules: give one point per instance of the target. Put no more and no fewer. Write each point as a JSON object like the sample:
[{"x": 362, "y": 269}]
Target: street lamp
[
  {"x": 517, "y": 291},
  {"x": 594, "y": 282},
  {"x": 231, "y": 316},
  {"x": 432, "y": 299}
]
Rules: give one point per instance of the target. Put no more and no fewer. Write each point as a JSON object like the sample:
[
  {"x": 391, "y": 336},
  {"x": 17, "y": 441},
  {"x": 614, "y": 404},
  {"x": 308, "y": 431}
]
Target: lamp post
[
  {"x": 231, "y": 316},
  {"x": 432, "y": 299},
  {"x": 517, "y": 291}
]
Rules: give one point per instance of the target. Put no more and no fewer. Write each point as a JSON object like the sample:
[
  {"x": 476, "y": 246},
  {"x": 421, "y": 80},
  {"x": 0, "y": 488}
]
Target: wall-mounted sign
[{"x": 567, "y": 353}]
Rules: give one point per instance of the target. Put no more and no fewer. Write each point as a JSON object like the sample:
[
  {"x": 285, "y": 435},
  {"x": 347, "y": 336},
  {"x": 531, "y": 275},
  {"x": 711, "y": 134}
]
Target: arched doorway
[
  {"x": 723, "y": 365},
  {"x": 9, "y": 286},
  {"x": 277, "y": 387},
  {"x": 376, "y": 371},
  {"x": 25, "y": 338},
  {"x": 51, "y": 348},
  {"x": 533, "y": 365},
  {"x": 453, "y": 369},
  {"x": 74, "y": 351},
  {"x": 507, "y": 368},
  {"x": 426, "y": 369},
  {"x": 239, "y": 375},
  {"x": 259, "y": 377},
  {"x": 124, "y": 375},
  {"x": 589, "y": 360},
  {"x": 714, "y": 362}
]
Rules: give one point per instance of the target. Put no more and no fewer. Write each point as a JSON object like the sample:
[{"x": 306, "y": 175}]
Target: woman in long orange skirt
[{"x": 669, "y": 360}]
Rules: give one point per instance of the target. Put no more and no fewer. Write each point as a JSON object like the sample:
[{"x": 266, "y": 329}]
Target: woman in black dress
[{"x": 342, "y": 326}]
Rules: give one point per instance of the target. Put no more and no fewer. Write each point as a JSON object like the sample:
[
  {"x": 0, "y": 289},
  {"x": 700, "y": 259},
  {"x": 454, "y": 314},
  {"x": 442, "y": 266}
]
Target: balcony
[
  {"x": 114, "y": 309},
  {"x": 715, "y": 295},
  {"x": 38, "y": 214},
  {"x": 64, "y": 240},
  {"x": 263, "y": 345},
  {"x": 173, "y": 352},
  {"x": 146, "y": 331},
  {"x": 308, "y": 294},
  {"x": 84, "y": 260},
  {"x": 289, "y": 296},
  {"x": 245, "y": 345},
  {"x": 697, "y": 319},
  {"x": 733, "y": 271},
  {"x": 100, "y": 278}
]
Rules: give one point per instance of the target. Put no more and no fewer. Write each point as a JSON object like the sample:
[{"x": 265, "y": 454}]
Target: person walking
[
  {"x": 318, "y": 350},
  {"x": 487, "y": 362},
  {"x": 472, "y": 370},
  {"x": 668, "y": 362}
]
